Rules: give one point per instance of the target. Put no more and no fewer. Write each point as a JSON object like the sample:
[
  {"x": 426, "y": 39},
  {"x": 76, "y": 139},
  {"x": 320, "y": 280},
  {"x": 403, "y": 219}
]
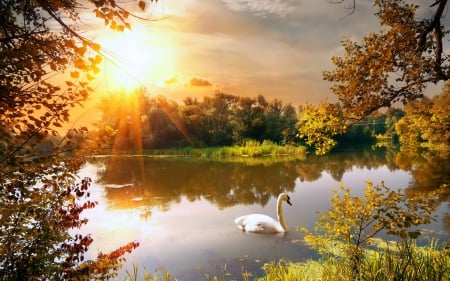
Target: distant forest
[{"x": 139, "y": 120}]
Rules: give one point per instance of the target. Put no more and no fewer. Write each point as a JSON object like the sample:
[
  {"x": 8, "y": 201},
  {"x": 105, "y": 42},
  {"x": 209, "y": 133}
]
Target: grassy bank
[
  {"x": 400, "y": 262},
  {"x": 249, "y": 149}
]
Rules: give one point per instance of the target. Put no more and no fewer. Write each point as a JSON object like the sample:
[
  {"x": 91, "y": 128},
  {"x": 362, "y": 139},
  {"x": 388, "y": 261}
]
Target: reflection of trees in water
[
  {"x": 429, "y": 169},
  {"x": 150, "y": 182},
  {"x": 447, "y": 221},
  {"x": 164, "y": 181},
  {"x": 339, "y": 162}
]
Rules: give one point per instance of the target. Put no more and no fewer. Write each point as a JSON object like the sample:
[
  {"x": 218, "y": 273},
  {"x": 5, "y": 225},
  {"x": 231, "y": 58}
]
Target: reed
[
  {"x": 405, "y": 261},
  {"x": 135, "y": 275}
]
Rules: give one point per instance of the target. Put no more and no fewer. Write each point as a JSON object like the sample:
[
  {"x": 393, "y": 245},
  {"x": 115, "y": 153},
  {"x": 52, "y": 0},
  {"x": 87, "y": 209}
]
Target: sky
[
  {"x": 274, "y": 48},
  {"x": 194, "y": 48}
]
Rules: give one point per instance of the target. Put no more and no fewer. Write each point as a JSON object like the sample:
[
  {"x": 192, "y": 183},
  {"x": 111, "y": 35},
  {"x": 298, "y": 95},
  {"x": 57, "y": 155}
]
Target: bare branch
[
  {"x": 351, "y": 8},
  {"x": 435, "y": 25}
]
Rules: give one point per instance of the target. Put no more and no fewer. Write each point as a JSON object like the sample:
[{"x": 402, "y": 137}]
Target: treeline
[
  {"x": 222, "y": 120},
  {"x": 139, "y": 121}
]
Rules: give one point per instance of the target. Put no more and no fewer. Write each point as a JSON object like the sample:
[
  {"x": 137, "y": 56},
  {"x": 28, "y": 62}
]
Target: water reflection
[
  {"x": 137, "y": 181},
  {"x": 131, "y": 181},
  {"x": 429, "y": 169},
  {"x": 181, "y": 210}
]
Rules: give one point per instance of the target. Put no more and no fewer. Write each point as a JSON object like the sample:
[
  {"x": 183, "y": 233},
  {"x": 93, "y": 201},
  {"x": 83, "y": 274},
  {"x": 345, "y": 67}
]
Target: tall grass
[
  {"x": 249, "y": 149},
  {"x": 405, "y": 262},
  {"x": 135, "y": 275}
]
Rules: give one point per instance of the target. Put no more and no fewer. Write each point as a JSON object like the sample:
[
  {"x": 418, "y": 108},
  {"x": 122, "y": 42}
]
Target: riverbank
[{"x": 249, "y": 149}]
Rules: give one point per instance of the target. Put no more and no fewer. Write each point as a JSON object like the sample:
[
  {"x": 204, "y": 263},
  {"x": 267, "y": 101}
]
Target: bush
[{"x": 351, "y": 224}]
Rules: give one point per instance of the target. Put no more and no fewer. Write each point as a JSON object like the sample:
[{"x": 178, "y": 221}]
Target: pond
[{"x": 181, "y": 210}]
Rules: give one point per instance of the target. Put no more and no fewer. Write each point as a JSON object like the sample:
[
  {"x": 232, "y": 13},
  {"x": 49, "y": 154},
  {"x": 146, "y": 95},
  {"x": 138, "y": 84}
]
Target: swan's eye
[{"x": 289, "y": 198}]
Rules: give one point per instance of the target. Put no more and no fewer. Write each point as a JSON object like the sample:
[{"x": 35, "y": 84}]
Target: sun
[{"x": 133, "y": 59}]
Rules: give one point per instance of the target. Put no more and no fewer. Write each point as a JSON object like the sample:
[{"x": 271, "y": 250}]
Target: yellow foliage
[{"x": 353, "y": 222}]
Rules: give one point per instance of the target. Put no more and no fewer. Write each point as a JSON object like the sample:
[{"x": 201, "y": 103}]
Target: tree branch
[
  {"x": 435, "y": 25},
  {"x": 351, "y": 8}
]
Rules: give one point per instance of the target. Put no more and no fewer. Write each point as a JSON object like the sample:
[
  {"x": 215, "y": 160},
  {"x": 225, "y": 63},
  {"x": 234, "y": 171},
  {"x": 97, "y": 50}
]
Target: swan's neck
[{"x": 280, "y": 215}]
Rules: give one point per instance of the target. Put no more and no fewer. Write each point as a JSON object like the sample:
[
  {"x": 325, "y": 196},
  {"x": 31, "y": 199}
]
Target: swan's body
[{"x": 265, "y": 224}]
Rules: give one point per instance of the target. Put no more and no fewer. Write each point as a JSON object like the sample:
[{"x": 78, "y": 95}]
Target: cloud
[
  {"x": 263, "y": 8},
  {"x": 171, "y": 80},
  {"x": 277, "y": 48},
  {"x": 198, "y": 82}
]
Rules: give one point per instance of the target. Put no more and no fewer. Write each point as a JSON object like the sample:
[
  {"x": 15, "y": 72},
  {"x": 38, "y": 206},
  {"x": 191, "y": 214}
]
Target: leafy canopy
[
  {"x": 41, "y": 198},
  {"x": 393, "y": 65},
  {"x": 319, "y": 124},
  {"x": 427, "y": 122}
]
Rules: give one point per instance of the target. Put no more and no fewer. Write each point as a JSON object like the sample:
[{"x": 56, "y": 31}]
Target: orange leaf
[{"x": 141, "y": 5}]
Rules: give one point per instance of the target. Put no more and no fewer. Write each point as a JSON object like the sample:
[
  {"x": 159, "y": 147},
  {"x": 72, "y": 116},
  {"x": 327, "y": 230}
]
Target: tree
[
  {"x": 192, "y": 118},
  {"x": 426, "y": 122},
  {"x": 318, "y": 125},
  {"x": 392, "y": 117},
  {"x": 249, "y": 119},
  {"x": 289, "y": 121},
  {"x": 353, "y": 222},
  {"x": 39, "y": 197},
  {"x": 165, "y": 127},
  {"x": 258, "y": 119},
  {"x": 217, "y": 113},
  {"x": 410, "y": 127},
  {"x": 393, "y": 65}
]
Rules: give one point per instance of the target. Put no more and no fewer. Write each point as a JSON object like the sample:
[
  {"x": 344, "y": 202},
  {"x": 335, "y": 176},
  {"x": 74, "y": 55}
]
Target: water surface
[{"x": 181, "y": 210}]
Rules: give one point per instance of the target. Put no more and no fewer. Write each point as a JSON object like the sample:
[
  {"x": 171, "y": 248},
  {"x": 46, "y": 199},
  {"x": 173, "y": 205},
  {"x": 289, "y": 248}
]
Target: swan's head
[{"x": 284, "y": 197}]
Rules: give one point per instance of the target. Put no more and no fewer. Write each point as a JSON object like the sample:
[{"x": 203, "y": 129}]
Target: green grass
[{"x": 249, "y": 149}]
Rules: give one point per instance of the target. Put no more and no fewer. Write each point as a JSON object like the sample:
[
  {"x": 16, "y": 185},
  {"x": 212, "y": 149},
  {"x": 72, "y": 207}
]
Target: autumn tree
[
  {"x": 352, "y": 223},
  {"x": 426, "y": 122},
  {"x": 318, "y": 125},
  {"x": 393, "y": 65},
  {"x": 392, "y": 117},
  {"x": 40, "y": 196}
]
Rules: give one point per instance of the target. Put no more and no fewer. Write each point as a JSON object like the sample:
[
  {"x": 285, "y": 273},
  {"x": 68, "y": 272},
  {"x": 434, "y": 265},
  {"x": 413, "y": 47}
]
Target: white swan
[{"x": 265, "y": 224}]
